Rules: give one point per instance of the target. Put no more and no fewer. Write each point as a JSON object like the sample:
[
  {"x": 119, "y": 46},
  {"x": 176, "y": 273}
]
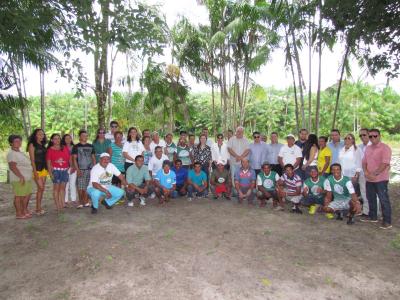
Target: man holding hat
[
  {"x": 220, "y": 181},
  {"x": 290, "y": 153},
  {"x": 100, "y": 186}
]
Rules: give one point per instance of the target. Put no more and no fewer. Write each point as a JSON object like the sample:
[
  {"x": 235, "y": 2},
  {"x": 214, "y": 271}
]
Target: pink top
[
  {"x": 58, "y": 158},
  {"x": 375, "y": 155}
]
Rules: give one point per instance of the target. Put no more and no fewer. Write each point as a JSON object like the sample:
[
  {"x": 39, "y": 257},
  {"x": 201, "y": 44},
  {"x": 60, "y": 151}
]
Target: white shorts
[
  {"x": 340, "y": 205},
  {"x": 294, "y": 199}
]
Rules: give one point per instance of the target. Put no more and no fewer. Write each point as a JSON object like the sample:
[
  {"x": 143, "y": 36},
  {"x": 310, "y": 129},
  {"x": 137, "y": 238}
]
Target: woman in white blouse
[
  {"x": 132, "y": 147},
  {"x": 349, "y": 158}
]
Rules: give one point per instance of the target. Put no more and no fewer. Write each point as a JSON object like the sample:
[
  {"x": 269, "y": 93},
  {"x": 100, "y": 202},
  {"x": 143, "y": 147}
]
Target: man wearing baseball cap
[
  {"x": 290, "y": 153},
  {"x": 220, "y": 181},
  {"x": 100, "y": 186}
]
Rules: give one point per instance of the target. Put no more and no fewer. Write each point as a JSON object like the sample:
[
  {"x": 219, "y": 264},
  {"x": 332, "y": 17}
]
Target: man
[
  {"x": 183, "y": 135},
  {"x": 114, "y": 127},
  {"x": 272, "y": 153},
  {"x": 197, "y": 182},
  {"x": 267, "y": 185},
  {"x": 219, "y": 151},
  {"x": 83, "y": 159},
  {"x": 181, "y": 179},
  {"x": 313, "y": 191},
  {"x": 100, "y": 186},
  {"x": 245, "y": 182},
  {"x": 165, "y": 182},
  {"x": 364, "y": 136},
  {"x": 209, "y": 140},
  {"x": 230, "y": 134},
  {"x": 335, "y": 145},
  {"x": 290, "y": 153},
  {"x": 238, "y": 148},
  {"x": 303, "y": 135},
  {"x": 264, "y": 138},
  {"x": 324, "y": 157},
  {"x": 341, "y": 190},
  {"x": 192, "y": 142},
  {"x": 146, "y": 132},
  {"x": 156, "y": 161},
  {"x": 170, "y": 148},
  {"x": 258, "y": 153},
  {"x": 376, "y": 166},
  {"x": 220, "y": 181},
  {"x": 290, "y": 188},
  {"x": 156, "y": 142},
  {"x": 138, "y": 179}
]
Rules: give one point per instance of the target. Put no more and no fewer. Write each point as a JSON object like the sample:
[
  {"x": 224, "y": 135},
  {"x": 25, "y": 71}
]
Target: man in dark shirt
[{"x": 181, "y": 179}]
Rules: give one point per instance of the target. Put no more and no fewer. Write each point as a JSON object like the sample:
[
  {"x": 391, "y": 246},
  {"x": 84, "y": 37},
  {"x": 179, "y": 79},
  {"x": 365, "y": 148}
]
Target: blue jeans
[
  {"x": 192, "y": 190},
  {"x": 379, "y": 189},
  {"x": 95, "y": 195}
]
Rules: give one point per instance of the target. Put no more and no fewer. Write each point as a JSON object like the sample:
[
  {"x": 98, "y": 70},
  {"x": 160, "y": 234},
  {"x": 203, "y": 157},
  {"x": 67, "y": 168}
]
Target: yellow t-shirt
[{"x": 321, "y": 159}]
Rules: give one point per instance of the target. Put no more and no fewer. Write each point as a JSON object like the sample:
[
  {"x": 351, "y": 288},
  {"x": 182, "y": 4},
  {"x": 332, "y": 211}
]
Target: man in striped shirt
[{"x": 290, "y": 188}]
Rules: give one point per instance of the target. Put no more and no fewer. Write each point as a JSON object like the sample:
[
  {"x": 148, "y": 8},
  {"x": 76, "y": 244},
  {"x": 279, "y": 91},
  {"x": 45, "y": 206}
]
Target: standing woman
[
  {"x": 310, "y": 154},
  {"x": 70, "y": 188},
  {"x": 147, "y": 153},
  {"x": 116, "y": 156},
  {"x": 132, "y": 148},
  {"x": 37, "y": 153},
  {"x": 20, "y": 177},
  {"x": 58, "y": 160},
  {"x": 101, "y": 144},
  {"x": 350, "y": 159},
  {"x": 202, "y": 154}
]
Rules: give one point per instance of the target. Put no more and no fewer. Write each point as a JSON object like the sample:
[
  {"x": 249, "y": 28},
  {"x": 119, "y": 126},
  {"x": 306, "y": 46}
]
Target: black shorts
[{"x": 115, "y": 180}]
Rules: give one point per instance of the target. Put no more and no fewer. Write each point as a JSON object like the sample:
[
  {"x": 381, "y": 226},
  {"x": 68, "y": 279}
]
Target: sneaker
[
  {"x": 130, "y": 204},
  {"x": 350, "y": 220},
  {"x": 87, "y": 205},
  {"x": 94, "y": 210},
  {"x": 330, "y": 215},
  {"x": 104, "y": 202},
  {"x": 339, "y": 216},
  {"x": 152, "y": 196},
  {"x": 293, "y": 210},
  {"x": 368, "y": 220},
  {"x": 385, "y": 226},
  {"x": 278, "y": 208},
  {"x": 142, "y": 201},
  {"x": 312, "y": 210},
  {"x": 298, "y": 211},
  {"x": 190, "y": 199}
]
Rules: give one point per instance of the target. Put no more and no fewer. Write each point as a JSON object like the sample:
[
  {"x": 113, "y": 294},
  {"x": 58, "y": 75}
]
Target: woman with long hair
[
  {"x": 101, "y": 144},
  {"x": 117, "y": 158},
  {"x": 58, "y": 160},
  {"x": 37, "y": 153},
  {"x": 202, "y": 154},
  {"x": 70, "y": 187},
  {"x": 350, "y": 159},
  {"x": 310, "y": 154},
  {"x": 132, "y": 148},
  {"x": 147, "y": 153}
]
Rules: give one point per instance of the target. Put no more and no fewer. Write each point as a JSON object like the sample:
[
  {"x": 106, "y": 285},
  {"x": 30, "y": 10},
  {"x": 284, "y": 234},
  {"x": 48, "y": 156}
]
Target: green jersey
[
  {"x": 171, "y": 149},
  {"x": 341, "y": 189},
  {"x": 268, "y": 181},
  {"x": 313, "y": 186},
  {"x": 183, "y": 153}
]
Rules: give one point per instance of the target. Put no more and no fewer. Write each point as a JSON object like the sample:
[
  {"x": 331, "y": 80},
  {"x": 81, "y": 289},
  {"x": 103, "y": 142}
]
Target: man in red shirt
[{"x": 376, "y": 166}]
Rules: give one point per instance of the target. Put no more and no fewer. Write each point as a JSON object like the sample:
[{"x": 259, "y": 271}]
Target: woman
[
  {"x": 132, "y": 147},
  {"x": 183, "y": 153},
  {"x": 37, "y": 153},
  {"x": 147, "y": 153},
  {"x": 101, "y": 144},
  {"x": 116, "y": 156},
  {"x": 58, "y": 160},
  {"x": 310, "y": 154},
  {"x": 20, "y": 177},
  {"x": 349, "y": 159},
  {"x": 202, "y": 154},
  {"x": 70, "y": 187}
]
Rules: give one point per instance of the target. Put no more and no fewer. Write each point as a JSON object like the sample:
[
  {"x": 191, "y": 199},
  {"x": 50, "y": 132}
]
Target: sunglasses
[
  {"x": 114, "y": 126},
  {"x": 373, "y": 136},
  {"x": 102, "y": 132},
  {"x": 220, "y": 138},
  {"x": 257, "y": 137},
  {"x": 361, "y": 135},
  {"x": 348, "y": 138}
]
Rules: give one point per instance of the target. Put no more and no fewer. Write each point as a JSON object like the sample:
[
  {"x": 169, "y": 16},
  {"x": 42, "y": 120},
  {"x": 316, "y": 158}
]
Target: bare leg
[
  {"x": 19, "y": 209},
  {"x": 41, "y": 183},
  {"x": 25, "y": 202},
  {"x": 61, "y": 195}
]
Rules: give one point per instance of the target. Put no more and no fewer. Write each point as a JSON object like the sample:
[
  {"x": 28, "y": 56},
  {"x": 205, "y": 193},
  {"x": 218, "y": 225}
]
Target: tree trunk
[
  {"x": 42, "y": 101},
  {"x": 346, "y": 54},
  {"x": 110, "y": 83},
  {"x": 213, "y": 96},
  {"x": 317, "y": 109},
  {"x": 309, "y": 75}
]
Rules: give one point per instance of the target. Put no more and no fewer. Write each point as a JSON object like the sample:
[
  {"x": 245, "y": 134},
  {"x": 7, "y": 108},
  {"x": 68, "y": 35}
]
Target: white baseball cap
[
  {"x": 221, "y": 162},
  {"x": 290, "y": 136},
  {"x": 104, "y": 154}
]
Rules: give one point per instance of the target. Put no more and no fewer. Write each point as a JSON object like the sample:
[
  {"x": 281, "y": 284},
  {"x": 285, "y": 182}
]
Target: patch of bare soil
[{"x": 203, "y": 249}]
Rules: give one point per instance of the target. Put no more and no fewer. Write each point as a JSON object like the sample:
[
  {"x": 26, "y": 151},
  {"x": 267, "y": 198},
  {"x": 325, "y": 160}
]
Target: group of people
[{"x": 337, "y": 178}]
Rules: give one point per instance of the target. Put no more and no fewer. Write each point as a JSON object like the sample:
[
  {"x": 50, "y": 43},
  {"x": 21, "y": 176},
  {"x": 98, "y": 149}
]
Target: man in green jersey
[
  {"x": 341, "y": 189},
  {"x": 313, "y": 191},
  {"x": 267, "y": 184}
]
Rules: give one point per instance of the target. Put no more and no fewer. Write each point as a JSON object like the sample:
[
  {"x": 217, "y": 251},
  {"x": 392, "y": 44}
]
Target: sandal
[
  {"x": 86, "y": 205},
  {"x": 23, "y": 217},
  {"x": 79, "y": 206},
  {"x": 40, "y": 212}
]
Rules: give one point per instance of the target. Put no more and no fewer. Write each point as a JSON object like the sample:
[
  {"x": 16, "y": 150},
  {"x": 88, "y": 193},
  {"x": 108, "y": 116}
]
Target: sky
[{"x": 272, "y": 74}]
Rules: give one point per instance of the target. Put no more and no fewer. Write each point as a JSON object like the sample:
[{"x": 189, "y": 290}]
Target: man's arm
[
  {"x": 326, "y": 165},
  {"x": 280, "y": 161},
  {"x": 102, "y": 189},
  {"x": 297, "y": 163}
]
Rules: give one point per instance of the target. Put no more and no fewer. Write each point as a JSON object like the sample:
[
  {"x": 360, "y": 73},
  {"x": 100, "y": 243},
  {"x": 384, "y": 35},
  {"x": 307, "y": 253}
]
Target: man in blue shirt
[
  {"x": 197, "y": 182},
  {"x": 165, "y": 182},
  {"x": 181, "y": 179},
  {"x": 335, "y": 145}
]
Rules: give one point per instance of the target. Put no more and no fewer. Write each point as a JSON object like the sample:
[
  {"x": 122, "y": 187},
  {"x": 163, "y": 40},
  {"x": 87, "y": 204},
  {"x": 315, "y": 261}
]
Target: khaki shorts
[{"x": 21, "y": 190}]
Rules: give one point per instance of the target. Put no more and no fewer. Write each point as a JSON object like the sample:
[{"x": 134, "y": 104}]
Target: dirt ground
[{"x": 203, "y": 249}]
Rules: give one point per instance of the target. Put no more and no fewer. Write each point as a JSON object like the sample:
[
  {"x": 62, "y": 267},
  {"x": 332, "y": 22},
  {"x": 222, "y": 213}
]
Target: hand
[
  {"x": 241, "y": 195},
  {"x": 36, "y": 175},
  {"x": 303, "y": 168},
  {"x": 22, "y": 180},
  {"x": 166, "y": 191},
  {"x": 79, "y": 173},
  {"x": 319, "y": 190},
  {"x": 72, "y": 171},
  {"x": 108, "y": 195},
  {"x": 238, "y": 158}
]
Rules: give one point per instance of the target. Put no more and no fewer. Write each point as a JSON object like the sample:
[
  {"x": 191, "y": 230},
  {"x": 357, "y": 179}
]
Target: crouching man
[
  {"x": 267, "y": 185},
  {"x": 100, "y": 186},
  {"x": 220, "y": 181},
  {"x": 341, "y": 189},
  {"x": 313, "y": 191},
  {"x": 138, "y": 178},
  {"x": 165, "y": 182}
]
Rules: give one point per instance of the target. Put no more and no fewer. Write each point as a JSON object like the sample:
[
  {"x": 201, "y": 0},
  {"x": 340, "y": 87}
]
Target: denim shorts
[{"x": 60, "y": 176}]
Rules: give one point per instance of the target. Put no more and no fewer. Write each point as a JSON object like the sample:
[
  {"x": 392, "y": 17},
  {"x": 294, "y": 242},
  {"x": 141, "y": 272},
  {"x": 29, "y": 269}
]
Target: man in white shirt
[
  {"x": 100, "y": 186},
  {"x": 239, "y": 149},
  {"x": 156, "y": 161},
  {"x": 272, "y": 153},
  {"x": 219, "y": 151},
  {"x": 290, "y": 153},
  {"x": 114, "y": 127},
  {"x": 209, "y": 142},
  {"x": 156, "y": 141}
]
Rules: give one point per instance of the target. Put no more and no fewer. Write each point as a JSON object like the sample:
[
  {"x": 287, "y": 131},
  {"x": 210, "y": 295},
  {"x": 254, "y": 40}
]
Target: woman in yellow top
[{"x": 324, "y": 157}]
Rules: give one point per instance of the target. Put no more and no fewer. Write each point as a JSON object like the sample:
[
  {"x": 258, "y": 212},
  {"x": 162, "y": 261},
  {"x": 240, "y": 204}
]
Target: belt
[{"x": 60, "y": 169}]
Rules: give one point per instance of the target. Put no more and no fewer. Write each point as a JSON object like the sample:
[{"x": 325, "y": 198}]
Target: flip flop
[
  {"x": 22, "y": 218},
  {"x": 41, "y": 212},
  {"x": 79, "y": 206}
]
